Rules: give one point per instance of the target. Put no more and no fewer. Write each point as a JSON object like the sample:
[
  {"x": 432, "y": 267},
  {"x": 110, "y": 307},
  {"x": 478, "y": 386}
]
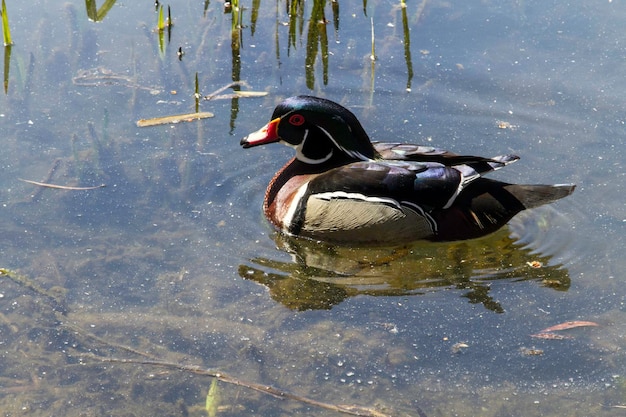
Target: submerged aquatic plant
[
  {"x": 6, "y": 31},
  {"x": 212, "y": 399}
]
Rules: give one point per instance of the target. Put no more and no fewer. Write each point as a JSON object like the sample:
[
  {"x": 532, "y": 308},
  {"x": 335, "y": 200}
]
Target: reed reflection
[
  {"x": 235, "y": 43},
  {"x": 7, "y": 66},
  {"x": 317, "y": 47},
  {"x": 322, "y": 275},
  {"x": 96, "y": 13}
]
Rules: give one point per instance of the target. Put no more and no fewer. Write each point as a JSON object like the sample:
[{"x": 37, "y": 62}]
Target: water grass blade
[
  {"x": 206, "y": 6},
  {"x": 335, "y": 8},
  {"x": 373, "y": 54},
  {"x": 161, "y": 36},
  {"x": 407, "y": 43},
  {"x": 96, "y": 14},
  {"x": 177, "y": 118},
  {"x": 92, "y": 10},
  {"x": 324, "y": 48},
  {"x": 372, "y": 65},
  {"x": 161, "y": 24},
  {"x": 104, "y": 9},
  {"x": 6, "y": 31},
  {"x": 7, "y": 66},
  {"x": 212, "y": 399},
  {"x": 161, "y": 20},
  {"x": 196, "y": 94}
]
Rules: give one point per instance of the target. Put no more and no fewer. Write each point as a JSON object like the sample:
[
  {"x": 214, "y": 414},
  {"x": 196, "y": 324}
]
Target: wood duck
[{"x": 342, "y": 188}]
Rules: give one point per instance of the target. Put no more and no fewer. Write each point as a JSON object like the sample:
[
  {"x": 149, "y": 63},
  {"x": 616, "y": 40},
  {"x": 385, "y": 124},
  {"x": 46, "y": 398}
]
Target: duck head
[{"x": 317, "y": 128}]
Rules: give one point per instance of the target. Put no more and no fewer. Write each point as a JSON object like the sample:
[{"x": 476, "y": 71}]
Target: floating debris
[
  {"x": 505, "y": 125},
  {"x": 550, "y": 336},
  {"x": 62, "y": 187},
  {"x": 177, "y": 118},
  {"x": 548, "y": 333},
  {"x": 457, "y": 347},
  {"x": 189, "y": 117},
  {"x": 531, "y": 351},
  {"x": 216, "y": 95},
  {"x": 95, "y": 77},
  {"x": 569, "y": 325},
  {"x": 236, "y": 94}
]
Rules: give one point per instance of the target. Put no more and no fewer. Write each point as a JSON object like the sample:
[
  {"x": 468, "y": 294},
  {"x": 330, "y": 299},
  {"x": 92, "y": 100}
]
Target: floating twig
[
  {"x": 34, "y": 196},
  {"x": 62, "y": 187},
  {"x": 215, "y": 95},
  {"x": 177, "y": 118},
  {"x": 189, "y": 117}
]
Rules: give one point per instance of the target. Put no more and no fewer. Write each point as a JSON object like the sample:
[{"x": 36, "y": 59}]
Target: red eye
[{"x": 296, "y": 119}]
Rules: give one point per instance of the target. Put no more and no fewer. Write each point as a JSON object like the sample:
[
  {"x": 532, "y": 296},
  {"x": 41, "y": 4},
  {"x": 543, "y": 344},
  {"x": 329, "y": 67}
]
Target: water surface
[{"x": 173, "y": 261}]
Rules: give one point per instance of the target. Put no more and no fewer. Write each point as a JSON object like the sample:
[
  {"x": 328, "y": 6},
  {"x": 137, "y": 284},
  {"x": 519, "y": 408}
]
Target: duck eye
[{"x": 296, "y": 120}]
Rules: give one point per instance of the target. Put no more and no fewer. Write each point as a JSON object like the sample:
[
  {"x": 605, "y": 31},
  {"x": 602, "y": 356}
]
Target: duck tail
[
  {"x": 537, "y": 195},
  {"x": 486, "y": 205}
]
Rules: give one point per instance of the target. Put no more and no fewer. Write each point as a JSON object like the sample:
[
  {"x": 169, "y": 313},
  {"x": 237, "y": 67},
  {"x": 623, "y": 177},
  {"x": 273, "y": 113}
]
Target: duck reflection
[{"x": 323, "y": 275}]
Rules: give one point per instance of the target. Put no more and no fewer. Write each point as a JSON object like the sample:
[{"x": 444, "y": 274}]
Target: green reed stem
[{"x": 6, "y": 31}]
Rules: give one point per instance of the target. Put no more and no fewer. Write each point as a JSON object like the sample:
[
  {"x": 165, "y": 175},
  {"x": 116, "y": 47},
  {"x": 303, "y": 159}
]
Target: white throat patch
[{"x": 303, "y": 158}]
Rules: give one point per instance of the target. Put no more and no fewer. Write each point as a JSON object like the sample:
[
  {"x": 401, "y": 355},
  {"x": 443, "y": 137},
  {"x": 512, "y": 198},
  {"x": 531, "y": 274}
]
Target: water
[{"x": 173, "y": 261}]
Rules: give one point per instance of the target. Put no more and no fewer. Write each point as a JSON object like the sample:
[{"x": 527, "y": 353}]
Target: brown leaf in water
[{"x": 568, "y": 325}]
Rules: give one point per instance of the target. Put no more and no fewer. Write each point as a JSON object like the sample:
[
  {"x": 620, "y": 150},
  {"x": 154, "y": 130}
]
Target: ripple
[{"x": 560, "y": 236}]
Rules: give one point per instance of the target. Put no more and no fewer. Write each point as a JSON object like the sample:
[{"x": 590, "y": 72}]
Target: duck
[{"x": 342, "y": 188}]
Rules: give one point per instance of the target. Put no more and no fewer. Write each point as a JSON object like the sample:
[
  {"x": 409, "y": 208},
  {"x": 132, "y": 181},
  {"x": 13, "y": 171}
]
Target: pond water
[{"x": 126, "y": 300}]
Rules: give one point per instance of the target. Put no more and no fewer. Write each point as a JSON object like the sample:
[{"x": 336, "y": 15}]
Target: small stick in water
[{"x": 62, "y": 187}]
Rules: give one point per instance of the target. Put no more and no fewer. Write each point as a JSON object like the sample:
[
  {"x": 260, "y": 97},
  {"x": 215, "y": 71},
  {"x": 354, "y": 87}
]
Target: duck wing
[
  {"x": 381, "y": 201},
  {"x": 395, "y": 201},
  {"x": 422, "y": 153},
  {"x": 429, "y": 184}
]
